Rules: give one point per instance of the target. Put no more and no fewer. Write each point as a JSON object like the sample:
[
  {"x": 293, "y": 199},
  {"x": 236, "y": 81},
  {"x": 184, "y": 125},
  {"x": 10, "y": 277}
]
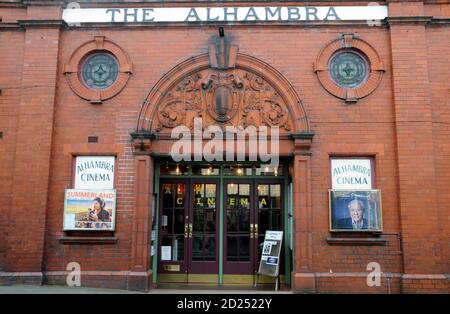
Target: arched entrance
[{"x": 211, "y": 215}]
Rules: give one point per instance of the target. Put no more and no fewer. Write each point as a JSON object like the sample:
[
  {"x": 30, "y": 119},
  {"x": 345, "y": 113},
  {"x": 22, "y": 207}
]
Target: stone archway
[{"x": 243, "y": 91}]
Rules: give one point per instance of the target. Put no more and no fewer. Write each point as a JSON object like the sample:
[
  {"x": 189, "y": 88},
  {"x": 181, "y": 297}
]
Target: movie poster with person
[
  {"x": 89, "y": 210},
  {"x": 353, "y": 210}
]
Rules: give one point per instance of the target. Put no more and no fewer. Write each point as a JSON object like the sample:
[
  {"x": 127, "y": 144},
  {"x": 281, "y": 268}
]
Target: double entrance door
[{"x": 198, "y": 233}]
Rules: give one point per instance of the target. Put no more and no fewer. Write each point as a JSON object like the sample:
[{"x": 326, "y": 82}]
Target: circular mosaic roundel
[
  {"x": 348, "y": 69},
  {"x": 100, "y": 71}
]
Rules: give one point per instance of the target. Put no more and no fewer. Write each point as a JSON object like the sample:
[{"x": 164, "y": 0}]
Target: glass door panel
[
  {"x": 238, "y": 236},
  {"x": 269, "y": 213},
  {"x": 172, "y": 252},
  {"x": 204, "y": 253}
]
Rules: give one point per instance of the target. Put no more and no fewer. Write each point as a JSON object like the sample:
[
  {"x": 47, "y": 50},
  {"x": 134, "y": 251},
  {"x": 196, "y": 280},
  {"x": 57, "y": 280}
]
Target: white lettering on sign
[
  {"x": 72, "y": 16},
  {"x": 94, "y": 172},
  {"x": 348, "y": 174}
]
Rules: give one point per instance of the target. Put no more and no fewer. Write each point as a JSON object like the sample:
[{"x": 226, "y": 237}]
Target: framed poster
[
  {"x": 89, "y": 209},
  {"x": 353, "y": 210}
]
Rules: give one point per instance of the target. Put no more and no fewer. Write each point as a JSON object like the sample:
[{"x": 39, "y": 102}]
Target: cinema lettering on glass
[{"x": 94, "y": 172}]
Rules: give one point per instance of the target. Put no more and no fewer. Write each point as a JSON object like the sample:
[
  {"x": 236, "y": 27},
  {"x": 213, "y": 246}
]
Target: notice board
[{"x": 270, "y": 257}]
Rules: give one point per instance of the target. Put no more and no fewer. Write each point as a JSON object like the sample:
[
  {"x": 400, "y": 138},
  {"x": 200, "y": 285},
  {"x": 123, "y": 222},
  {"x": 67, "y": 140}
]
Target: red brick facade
[{"x": 404, "y": 124}]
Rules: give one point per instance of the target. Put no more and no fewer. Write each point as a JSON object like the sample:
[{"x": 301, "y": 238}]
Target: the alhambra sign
[{"x": 74, "y": 15}]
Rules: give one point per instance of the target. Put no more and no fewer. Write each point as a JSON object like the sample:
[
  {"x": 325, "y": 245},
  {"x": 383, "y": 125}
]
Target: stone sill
[
  {"x": 88, "y": 240},
  {"x": 361, "y": 241}
]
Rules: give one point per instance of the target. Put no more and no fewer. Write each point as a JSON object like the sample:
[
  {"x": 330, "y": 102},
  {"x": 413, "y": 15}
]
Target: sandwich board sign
[{"x": 270, "y": 257}]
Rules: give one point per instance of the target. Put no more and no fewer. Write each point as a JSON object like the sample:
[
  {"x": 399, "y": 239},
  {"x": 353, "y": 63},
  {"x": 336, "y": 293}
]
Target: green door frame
[
  {"x": 154, "y": 241},
  {"x": 221, "y": 177}
]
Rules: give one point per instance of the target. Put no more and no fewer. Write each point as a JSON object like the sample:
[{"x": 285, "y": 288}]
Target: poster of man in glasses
[{"x": 355, "y": 210}]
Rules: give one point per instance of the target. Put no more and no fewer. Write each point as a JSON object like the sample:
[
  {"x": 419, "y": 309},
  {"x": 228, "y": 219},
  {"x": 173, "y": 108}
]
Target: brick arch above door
[{"x": 250, "y": 93}]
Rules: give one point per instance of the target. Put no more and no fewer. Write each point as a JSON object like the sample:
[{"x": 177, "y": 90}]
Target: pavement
[{"x": 53, "y": 289}]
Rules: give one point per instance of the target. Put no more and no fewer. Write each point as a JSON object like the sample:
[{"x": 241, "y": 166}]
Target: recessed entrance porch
[{"x": 211, "y": 220}]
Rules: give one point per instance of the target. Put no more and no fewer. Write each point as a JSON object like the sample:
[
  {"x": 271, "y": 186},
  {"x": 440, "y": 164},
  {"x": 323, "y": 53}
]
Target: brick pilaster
[
  {"x": 34, "y": 139},
  {"x": 303, "y": 278},
  {"x": 414, "y": 136},
  {"x": 141, "y": 275}
]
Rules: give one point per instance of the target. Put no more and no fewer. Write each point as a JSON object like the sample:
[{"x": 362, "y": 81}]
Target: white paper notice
[
  {"x": 166, "y": 253},
  {"x": 274, "y": 235}
]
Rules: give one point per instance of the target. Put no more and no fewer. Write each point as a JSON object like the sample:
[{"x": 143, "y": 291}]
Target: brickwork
[
  {"x": 10, "y": 85},
  {"x": 26, "y": 230},
  {"x": 439, "y": 73},
  {"x": 420, "y": 224}
]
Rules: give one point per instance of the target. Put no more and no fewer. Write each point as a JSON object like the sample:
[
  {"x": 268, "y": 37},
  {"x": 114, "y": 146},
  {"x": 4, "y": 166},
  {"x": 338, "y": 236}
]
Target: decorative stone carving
[
  {"x": 222, "y": 97},
  {"x": 222, "y": 94},
  {"x": 180, "y": 103}
]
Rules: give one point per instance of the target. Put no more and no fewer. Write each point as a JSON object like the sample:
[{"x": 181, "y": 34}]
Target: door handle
[
  {"x": 255, "y": 229},
  {"x": 251, "y": 230},
  {"x": 190, "y": 230},
  {"x": 186, "y": 230}
]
